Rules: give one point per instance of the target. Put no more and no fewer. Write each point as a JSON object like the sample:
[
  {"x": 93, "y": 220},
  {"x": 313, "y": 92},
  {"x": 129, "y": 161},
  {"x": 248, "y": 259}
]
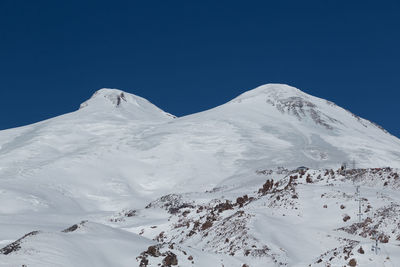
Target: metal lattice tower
[
  {"x": 359, "y": 199},
  {"x": 375, "y": 247},
  {"x": 359, "y": 210},
  {"x": 357, "y": 193}
]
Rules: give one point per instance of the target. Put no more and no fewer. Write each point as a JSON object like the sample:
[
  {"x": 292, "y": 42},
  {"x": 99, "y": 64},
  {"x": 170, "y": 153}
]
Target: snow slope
[{"x": 119, "y": 152}]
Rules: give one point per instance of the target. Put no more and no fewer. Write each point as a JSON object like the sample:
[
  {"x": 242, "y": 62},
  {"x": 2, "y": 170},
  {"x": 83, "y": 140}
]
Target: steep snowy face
[
  {"x": 123, "y": 104},
  {"x": 304, "y": 107},
  {"x": 289, "y": 100}
]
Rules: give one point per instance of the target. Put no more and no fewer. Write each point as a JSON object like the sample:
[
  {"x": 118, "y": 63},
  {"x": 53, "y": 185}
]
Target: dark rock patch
[{"x": 16, "y": 245}]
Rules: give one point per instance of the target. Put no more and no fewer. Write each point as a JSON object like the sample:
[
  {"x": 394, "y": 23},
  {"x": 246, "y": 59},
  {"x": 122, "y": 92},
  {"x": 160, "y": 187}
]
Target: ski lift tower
[
  {"x": 359, "y": 199},
  {"x": 359, "y": 214},
  {"x": 375, "y": 247},
  {"x": 357, "y": 195}
]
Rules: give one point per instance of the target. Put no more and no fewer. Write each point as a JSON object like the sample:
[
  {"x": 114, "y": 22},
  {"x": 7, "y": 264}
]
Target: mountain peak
[
  {"x": 281, "y": 99},
  {"x": 272, "y": 91},
  {"x": 123, "y": 103},
  {"x": 112, "y": 97}
]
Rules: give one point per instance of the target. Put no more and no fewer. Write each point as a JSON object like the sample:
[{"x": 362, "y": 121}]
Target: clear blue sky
[{"x": 188, "y": 56}]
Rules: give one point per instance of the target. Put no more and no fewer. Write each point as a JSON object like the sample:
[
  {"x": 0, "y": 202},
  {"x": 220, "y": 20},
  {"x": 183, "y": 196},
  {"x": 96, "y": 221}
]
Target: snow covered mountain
[{"x": 118, "y": 153}]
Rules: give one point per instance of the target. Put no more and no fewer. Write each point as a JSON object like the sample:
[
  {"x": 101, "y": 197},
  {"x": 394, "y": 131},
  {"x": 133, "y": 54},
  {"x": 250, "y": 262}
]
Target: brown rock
[
  {"x": 206, "y": 225},
  {"x": 153, "y": 251},
  {"x": 353, "y": 262},
  {"x": 240, "y": 201},
  {"x": 346, "y": 218},
  {"x": 170, "y": 259}
]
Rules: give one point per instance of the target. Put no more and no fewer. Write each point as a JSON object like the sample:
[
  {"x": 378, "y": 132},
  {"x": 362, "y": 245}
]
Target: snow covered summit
[
  {"x": 282, "y": 126},
  {"x": 120, "y": 102},
  {"x": 292, "y": 101},
  {"x": 271, "y": 90}
]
